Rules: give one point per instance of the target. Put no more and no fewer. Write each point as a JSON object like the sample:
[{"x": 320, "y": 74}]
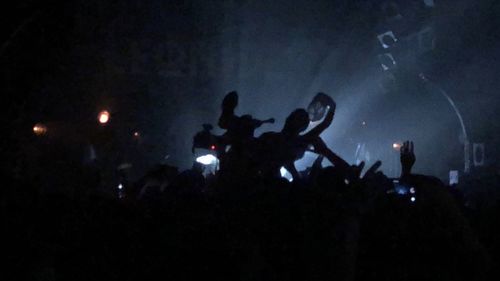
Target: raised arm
[
  {"x": 407, "y": 158},
  {"x": 257, "y": 123},
  {"x": 316, "y": 131},
  {"x": 321, "y": 148},
  {"x": 328, "y": 102}
]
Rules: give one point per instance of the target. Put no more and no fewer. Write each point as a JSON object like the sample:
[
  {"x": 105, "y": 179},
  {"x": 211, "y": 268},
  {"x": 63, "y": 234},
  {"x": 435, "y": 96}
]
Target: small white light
[
  {"x": 413, "y": 199},
  {"x": 103, "y": 117},
  {"x": 412, "y": 190},
  {"x": 120, "y": 186},
  {"x": 285, "y": 174},
  {"x": 207, "y": 159},
  {"x": 396, "y": 146},
  {"x": 283, "y": 171}
]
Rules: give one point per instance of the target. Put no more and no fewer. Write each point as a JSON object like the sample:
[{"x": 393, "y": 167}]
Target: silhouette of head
[
  {"x": 296, "y": 122},
  {"x": 230, "y": 100}
]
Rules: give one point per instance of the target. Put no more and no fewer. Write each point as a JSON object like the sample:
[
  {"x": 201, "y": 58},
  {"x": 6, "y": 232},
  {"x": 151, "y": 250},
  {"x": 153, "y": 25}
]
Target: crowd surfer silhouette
[{"x": 245, "y": 222}]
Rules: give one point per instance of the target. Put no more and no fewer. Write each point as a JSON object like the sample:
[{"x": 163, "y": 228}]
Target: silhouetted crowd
[{"x": 247, "y": 222}]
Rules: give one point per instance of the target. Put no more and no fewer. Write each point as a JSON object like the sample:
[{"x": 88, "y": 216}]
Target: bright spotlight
[
  {"x": 120, "y": 186},
  {"x": 39, "y": 129},
  {"x": 413, "y": 199},
  {"x": 396, "y": 146},
  {"x": 136, "y": 134},
  {"x": 103, "y": 117},
  {"x": 208, "y": 159}
]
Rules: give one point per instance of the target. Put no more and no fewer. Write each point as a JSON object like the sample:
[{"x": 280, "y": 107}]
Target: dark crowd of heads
[{"x": 243, "y": 221}]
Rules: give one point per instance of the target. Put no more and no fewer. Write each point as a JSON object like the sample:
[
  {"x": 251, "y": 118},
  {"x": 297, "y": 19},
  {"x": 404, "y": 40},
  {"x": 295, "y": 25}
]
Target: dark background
[{"x": 162, "y": 68}]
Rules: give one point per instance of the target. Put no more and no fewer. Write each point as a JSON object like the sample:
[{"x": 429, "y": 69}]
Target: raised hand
[
  {"x": 321, "y": 148},
  {"x": 229, "y": 104},
  {"x": 357, "y": 169},
  {"x": 230, "y": 101},
  {"x": 407, "y": 158},
  {"x": 375, "y": 181},
  {"x": 372, "y": 172}
]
